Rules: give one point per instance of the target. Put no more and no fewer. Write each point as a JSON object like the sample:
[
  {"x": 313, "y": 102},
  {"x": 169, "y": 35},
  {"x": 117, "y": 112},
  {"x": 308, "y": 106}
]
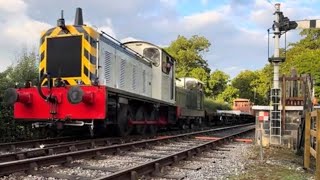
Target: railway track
[
  {"x": 13, "y": 146},
  {"x": 154, "y": 167},
  {"x": 65, "y": 147},
  {"x": 77, "y": 154},
  {"x": 37, "y": 145}
]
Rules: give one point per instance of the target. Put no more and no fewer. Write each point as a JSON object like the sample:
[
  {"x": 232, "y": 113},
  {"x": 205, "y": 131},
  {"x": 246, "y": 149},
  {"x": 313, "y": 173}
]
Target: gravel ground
[
  {"x": 213, "y": 168},
  {"x": 29, "y": 177},
  {"x": 117, "y": 161},
  {"x": 77, "y": 171}
]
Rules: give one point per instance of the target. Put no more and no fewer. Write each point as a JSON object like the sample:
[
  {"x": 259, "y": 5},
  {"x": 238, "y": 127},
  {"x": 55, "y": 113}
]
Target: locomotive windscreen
[{"x": 64, "y": 56}]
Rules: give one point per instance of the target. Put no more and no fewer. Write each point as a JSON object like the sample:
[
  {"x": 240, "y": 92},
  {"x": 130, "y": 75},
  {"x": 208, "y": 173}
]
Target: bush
[
  {"x": 25, "y": 69},
  {"x": 212, "y": 105}
]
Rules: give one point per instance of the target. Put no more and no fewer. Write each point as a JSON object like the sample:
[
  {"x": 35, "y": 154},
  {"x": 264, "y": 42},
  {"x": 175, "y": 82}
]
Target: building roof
[{"x": 241, "y": 99}]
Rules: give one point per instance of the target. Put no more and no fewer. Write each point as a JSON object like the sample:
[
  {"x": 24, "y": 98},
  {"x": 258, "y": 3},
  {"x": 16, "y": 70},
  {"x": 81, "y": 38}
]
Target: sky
[{"x": 237, "y": 29}]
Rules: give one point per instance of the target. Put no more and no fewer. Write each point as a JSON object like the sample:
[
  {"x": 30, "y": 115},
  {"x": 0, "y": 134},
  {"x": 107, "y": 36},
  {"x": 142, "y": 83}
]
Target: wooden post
[
  {"x": 318, "y": 146},
  {"x": 306, "y": 162}
]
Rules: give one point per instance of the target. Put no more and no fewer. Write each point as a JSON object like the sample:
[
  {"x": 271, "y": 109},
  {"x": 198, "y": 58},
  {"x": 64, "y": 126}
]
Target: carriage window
[
  {"x": 153, "y": 54},
  {"x": 166, "y": 64}
]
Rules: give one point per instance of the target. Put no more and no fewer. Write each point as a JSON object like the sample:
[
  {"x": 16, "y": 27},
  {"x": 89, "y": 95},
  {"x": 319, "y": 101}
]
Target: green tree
[
  {"x": 262, "y": 84},
  {"x": 228, "y": 95},
  {"x": 244, "y": 82},
  {"x": 5, "y": 81},
  {"x": 199, "y": 73},
  {"x": 304, "y": 56},
  {"x": 25, "y": 69},
  {"x": 218, "y": 82},
  {"x": 189, "y": 54}
]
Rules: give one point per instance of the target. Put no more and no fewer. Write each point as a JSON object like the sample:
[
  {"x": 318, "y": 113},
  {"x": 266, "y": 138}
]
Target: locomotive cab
[
  {"x": 190, "y": 90},
  {"x": 163, "y": 69}
]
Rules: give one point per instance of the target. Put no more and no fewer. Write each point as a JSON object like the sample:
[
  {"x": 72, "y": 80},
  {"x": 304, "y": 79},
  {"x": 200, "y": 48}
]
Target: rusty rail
[{"x": 312, "y": 140}]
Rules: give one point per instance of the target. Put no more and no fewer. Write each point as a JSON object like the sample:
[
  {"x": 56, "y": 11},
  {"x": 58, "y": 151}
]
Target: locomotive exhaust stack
[{"x": 78, "y": 21}]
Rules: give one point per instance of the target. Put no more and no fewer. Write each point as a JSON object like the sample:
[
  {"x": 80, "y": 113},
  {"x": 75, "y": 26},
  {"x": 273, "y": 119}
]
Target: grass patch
[
  {"x": 264, "y": 171},
  {"x": 278, "y": 164}
]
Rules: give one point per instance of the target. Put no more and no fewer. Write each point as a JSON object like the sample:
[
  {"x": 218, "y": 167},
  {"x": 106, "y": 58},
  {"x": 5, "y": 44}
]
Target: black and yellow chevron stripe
[{"x": 89, "y": 51}]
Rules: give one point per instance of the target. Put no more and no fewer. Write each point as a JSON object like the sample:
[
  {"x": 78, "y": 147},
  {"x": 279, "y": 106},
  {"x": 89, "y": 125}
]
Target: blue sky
[
  {"x": 186, "y": 7},
  {"x": 235, "y": 28}
]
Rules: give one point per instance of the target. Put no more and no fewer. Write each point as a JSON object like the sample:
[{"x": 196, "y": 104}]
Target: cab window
[
  {"x": 166, "y": 64},
  {"x": 153, "y": 54}
]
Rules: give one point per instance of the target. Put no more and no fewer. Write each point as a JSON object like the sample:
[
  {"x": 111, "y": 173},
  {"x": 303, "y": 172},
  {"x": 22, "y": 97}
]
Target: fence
[{"x": 312, "y": 140}]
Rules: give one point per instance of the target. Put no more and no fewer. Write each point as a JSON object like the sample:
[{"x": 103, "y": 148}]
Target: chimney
[{"x": 78, "y": 21}]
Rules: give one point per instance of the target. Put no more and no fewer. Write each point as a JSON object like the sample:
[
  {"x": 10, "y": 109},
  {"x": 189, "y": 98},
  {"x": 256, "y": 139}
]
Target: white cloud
[
  {"x": 233, "y": 68},
  {"x": 199, "y": 20},
  {"x": 18, "y": 30},
  {"x": 24, "y": 31},
  {"x": 12, "y": 6},
  {"x": 108, "y": 28}
]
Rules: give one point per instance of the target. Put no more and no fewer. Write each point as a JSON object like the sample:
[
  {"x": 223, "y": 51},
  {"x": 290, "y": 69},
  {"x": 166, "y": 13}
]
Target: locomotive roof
[
  {"x": 191, "y": 78},
  {"x": 145, "y": 42}
]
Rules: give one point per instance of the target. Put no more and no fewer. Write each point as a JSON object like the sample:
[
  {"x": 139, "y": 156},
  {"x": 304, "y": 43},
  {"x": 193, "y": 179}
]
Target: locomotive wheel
[
  {"x": 152, "y": 129},
  {"x": 141, "y": 115},
  {"x": 124, "y": 114},
  {"x": 184, "y": 126}
]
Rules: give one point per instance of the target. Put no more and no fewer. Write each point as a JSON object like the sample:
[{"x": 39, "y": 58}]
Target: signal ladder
[{"x": 275, "y": 117}]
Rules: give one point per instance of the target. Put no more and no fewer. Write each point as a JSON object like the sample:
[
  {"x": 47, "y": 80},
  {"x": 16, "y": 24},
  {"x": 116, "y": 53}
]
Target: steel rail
[
  {"x": 64, "y": 148},
  {"x": 12, "y": 146},
  {"x": 34, "y": 163},
  {"x": 33, "y": 143},
  {"x": 156, "y": 165}
]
